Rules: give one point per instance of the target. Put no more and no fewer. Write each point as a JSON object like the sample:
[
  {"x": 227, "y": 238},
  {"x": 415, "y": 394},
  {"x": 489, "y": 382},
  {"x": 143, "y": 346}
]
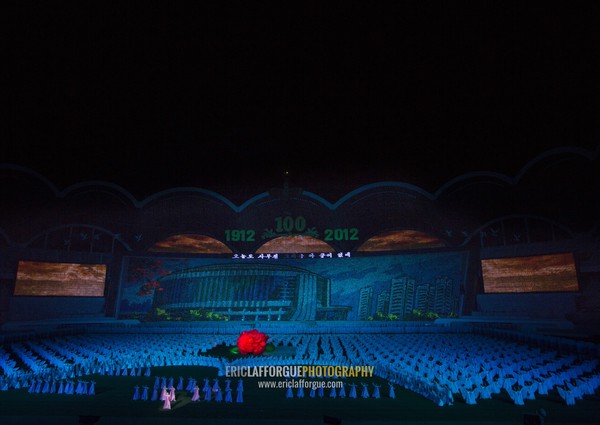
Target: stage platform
[
  {"x": 62, "y": 322},
  {"x": 99, "y": 324},
  {"x": 112, "y": 420},
  {"x": 465, "y": 324},
  {"x": 11, "y": 331},
  {"x": 521, "y": 323}
]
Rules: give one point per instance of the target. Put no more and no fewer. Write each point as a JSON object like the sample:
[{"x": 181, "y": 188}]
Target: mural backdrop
[{"x": 334, "y": 287}]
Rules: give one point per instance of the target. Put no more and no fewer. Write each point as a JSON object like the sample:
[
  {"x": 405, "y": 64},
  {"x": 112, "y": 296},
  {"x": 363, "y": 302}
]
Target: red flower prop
[{"x": 252, "y": 342}]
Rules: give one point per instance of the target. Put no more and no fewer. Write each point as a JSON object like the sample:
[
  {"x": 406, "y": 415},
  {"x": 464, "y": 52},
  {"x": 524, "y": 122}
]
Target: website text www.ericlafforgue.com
[
  {"x": 300, "y": 383},
  {"x": 294, "y": 376}
]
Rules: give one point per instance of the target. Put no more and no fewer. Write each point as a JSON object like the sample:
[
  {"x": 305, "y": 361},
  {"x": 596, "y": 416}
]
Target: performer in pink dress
[
  {"x": 167, "y": 403},
  {"x": 196, "y": 395}
]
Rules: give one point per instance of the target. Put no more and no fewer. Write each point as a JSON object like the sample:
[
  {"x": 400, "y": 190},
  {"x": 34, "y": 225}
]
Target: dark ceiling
[{"x": 227, "y": 96}]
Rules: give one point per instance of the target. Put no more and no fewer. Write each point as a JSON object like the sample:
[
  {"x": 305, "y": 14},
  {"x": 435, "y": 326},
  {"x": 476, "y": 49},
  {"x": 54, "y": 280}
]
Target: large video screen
[
  {"x": 330, "y": 286},
  {"x": 539, "y": 273},
  {"x": 47, "y": 279}
]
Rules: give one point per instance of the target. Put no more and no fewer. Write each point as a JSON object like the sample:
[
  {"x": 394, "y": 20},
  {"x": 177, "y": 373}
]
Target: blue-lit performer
[
  {"x": 376, "y": 393},
  {"x": 207, "y": 390},
  {"x": 352, "y": 393},
  {"x": 365, "y": 390},
  {"x": 218, "y": 394},
  {"x": 392, "y": 393},
  {"x": 84, "y": 387},
  {"x": 216, "y": 389},
  {"x": 240, "y": 392},
  {"x": 342, "y": 392},
  {"x": 190, "y": 385},
  {"x": 333, "y": 392}
]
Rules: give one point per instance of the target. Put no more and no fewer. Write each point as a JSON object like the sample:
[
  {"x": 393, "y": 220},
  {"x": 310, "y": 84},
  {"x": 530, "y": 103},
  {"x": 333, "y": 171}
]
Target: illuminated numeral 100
[{"x": 288, "y": 224}]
